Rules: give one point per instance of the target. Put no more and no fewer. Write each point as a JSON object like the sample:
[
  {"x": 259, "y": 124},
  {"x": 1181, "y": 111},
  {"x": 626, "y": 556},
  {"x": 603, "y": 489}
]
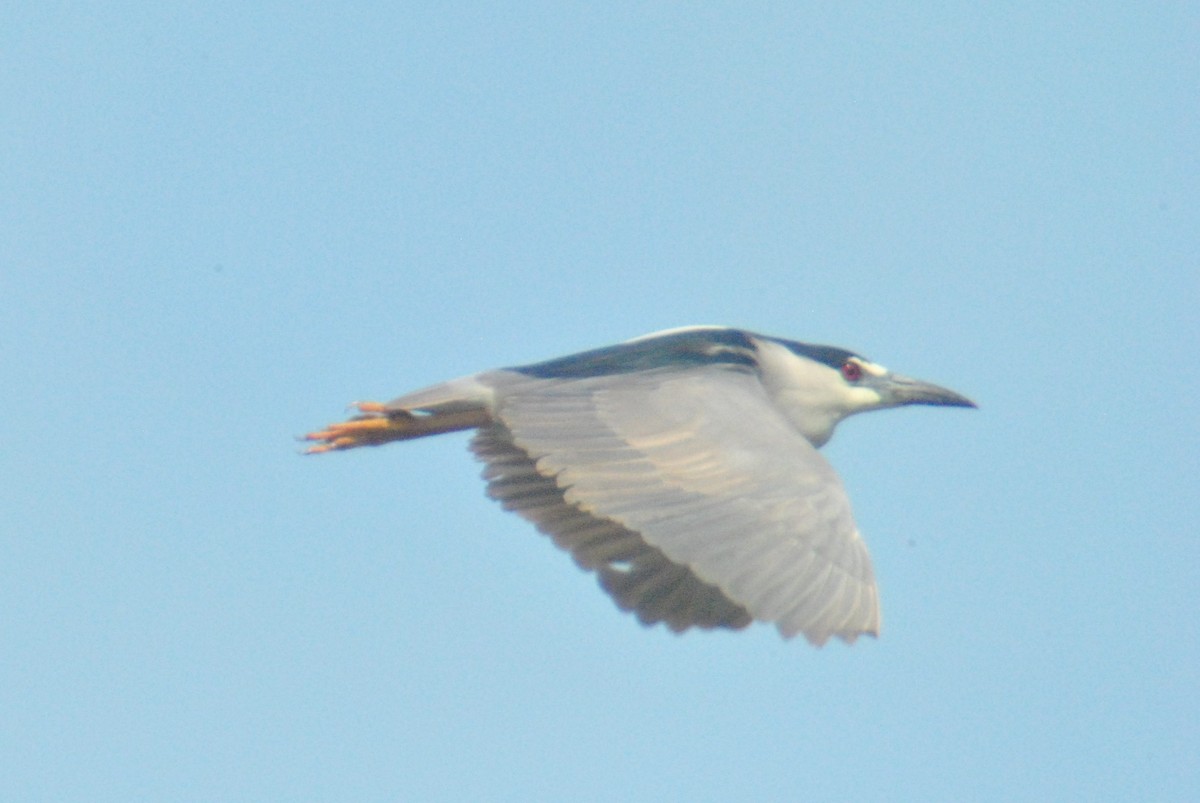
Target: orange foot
[{"x": 372, "y": 426}]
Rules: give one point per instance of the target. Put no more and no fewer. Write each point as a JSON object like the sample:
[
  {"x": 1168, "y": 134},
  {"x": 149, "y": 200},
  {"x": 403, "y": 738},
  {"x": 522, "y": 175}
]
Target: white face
[
  {"x": 813, "y": 396},
  {"x": 861, "y": 397}
]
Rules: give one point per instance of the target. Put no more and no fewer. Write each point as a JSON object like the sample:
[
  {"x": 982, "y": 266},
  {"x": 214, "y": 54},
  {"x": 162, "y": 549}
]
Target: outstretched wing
[{"x": 696, "y": 502}]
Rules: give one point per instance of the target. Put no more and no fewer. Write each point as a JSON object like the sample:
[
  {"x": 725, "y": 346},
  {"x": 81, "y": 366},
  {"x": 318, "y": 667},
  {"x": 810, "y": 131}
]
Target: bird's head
[{"x": 817, "y": 386}]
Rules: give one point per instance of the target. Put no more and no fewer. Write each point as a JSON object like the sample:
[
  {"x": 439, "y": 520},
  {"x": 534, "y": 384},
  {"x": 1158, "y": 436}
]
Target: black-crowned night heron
[{"x": 681, "y": 467}]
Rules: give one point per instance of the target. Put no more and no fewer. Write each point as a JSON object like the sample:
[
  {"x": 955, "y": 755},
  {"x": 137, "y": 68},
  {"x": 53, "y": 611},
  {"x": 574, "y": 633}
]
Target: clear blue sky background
[{"x": 221, "y": 223}]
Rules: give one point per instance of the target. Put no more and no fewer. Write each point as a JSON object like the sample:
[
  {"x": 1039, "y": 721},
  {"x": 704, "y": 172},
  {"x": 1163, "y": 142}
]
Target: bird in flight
[{"x": 681, "y": 467}]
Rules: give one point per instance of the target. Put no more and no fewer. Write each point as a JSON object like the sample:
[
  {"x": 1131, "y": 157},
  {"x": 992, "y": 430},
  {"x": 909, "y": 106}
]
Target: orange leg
[
  {"x": 371, "y": 427},
  {"x": 376, "y": 424}
]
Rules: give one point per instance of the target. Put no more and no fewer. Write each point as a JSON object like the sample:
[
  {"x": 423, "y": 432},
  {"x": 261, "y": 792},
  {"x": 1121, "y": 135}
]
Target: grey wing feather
[
  {"x": 673, "y": 481},
  {"x": 638, "y": 576}
]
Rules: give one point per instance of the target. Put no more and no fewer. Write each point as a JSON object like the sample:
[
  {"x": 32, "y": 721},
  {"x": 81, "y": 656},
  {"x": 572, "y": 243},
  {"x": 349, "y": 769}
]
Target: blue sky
[{"x": 221, "y": 224}]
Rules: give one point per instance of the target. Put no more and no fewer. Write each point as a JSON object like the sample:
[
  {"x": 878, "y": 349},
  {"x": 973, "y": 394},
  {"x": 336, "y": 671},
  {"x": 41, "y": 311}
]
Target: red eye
[{"x": 851, "y": 371}]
